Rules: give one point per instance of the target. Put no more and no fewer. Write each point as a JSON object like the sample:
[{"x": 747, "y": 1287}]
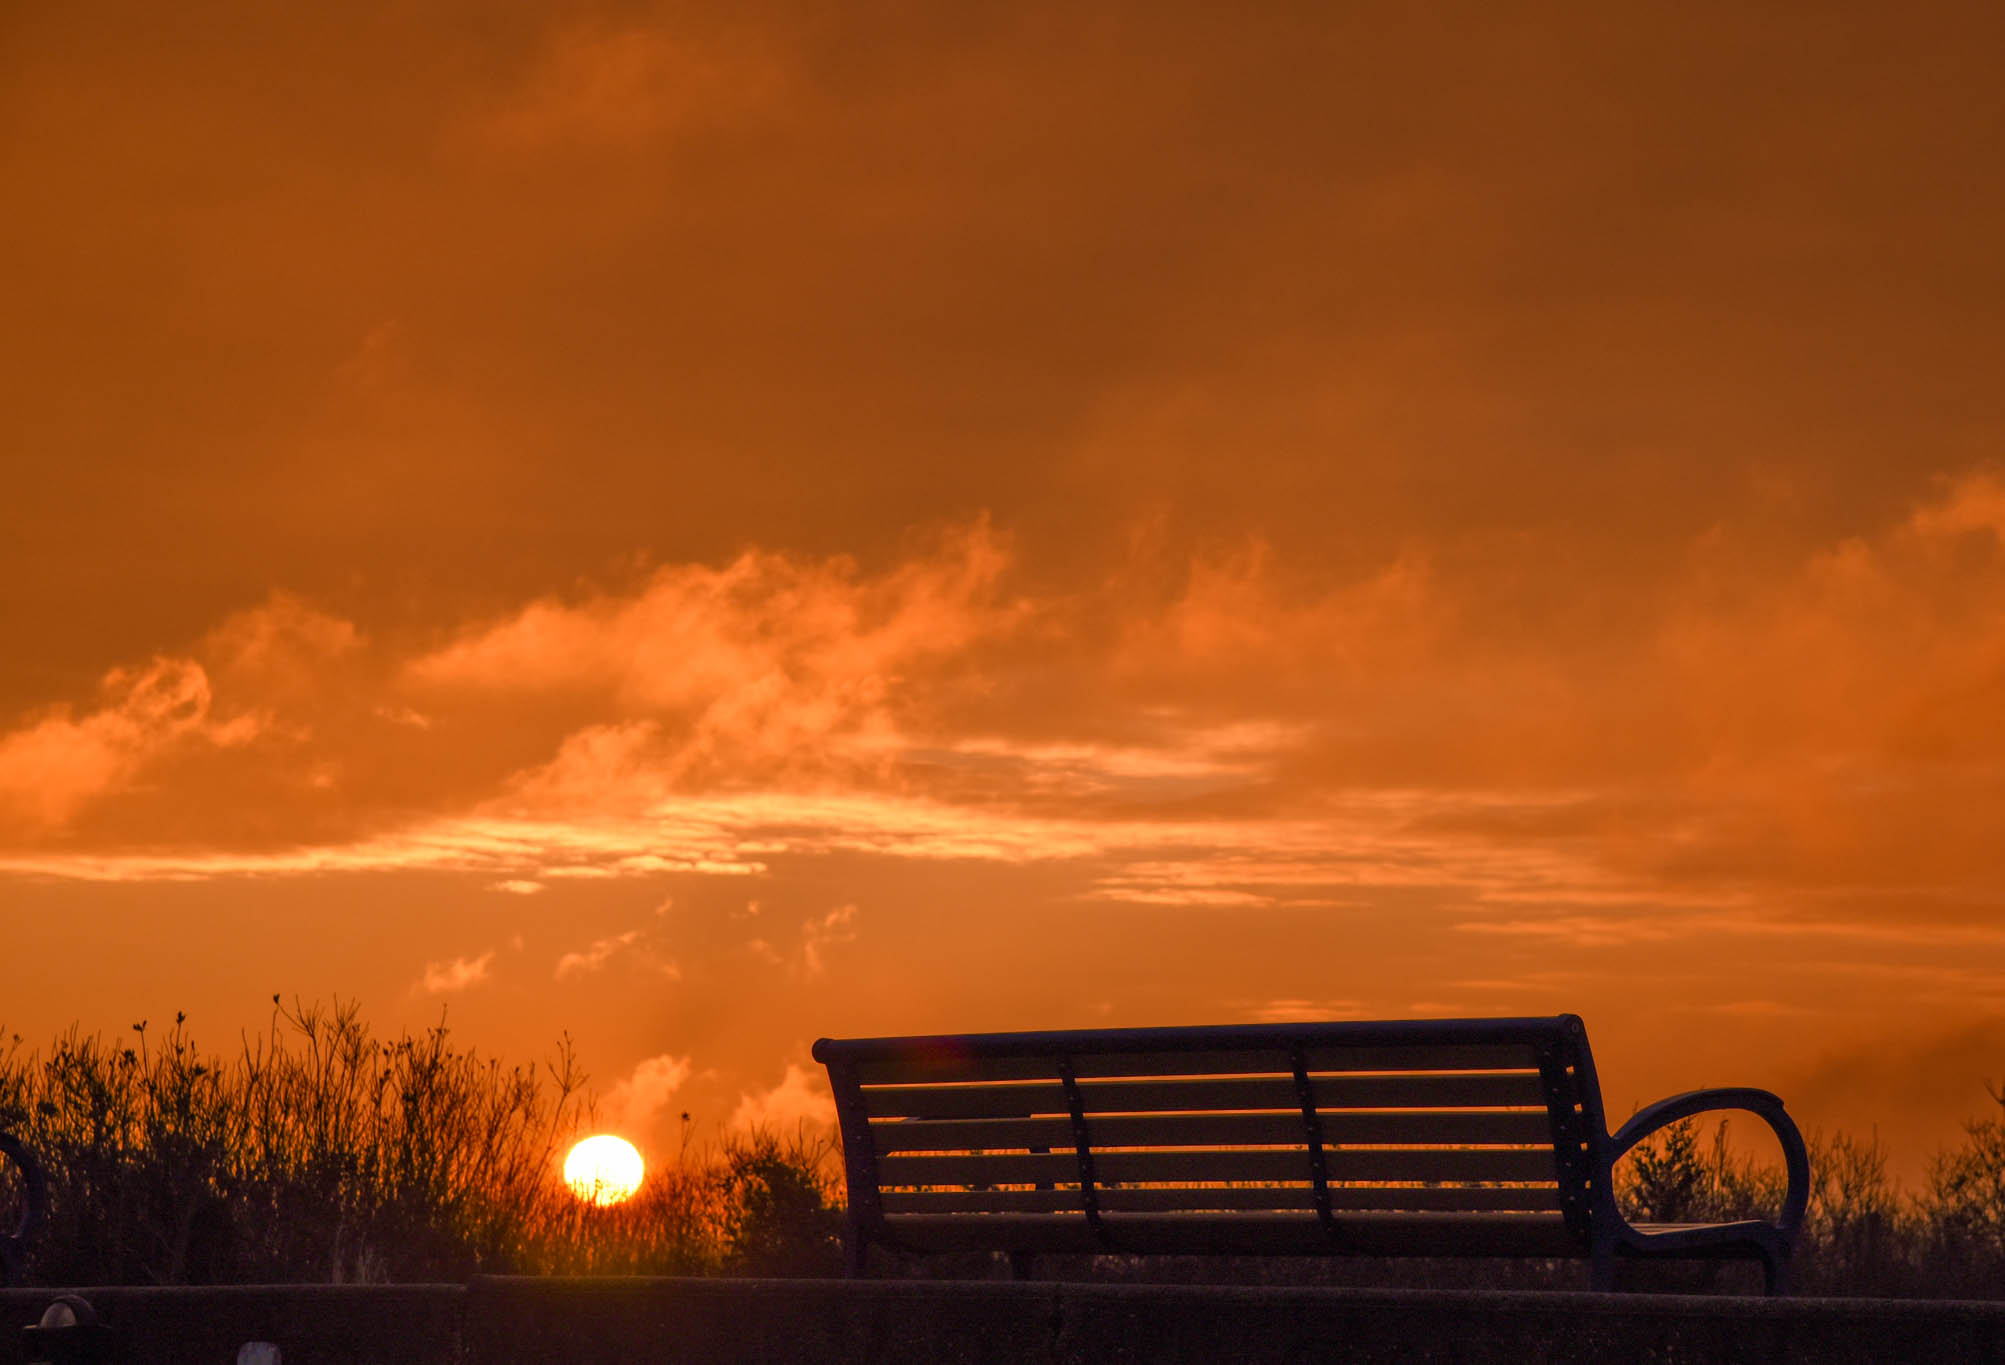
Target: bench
[{"x": 1450, "y": 1137}]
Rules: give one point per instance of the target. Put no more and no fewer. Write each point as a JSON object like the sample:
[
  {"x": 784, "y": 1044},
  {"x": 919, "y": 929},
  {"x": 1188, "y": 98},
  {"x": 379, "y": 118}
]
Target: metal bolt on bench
[{"x": 67, "y": 1334}]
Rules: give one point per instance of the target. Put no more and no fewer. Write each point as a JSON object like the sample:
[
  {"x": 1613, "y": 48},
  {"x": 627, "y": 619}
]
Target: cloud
[
  {"x": 819, "y": 935},
  {"x": 638, "y": 1099},
  {"x": 51, "y": 768},
  {"x": 769, "y": 664},
  {"x": 802, "y": 1098},
  {"x": 458, "y": 974},
  {"x": 1971, "y": 503},
  {"x": 284, "y": 643},
  {"x": 1919, "y": 1081},
  {"x": 242, "y": 702},
  {"x": 592, "y": 958},
  {"x": 1243, "y": 605},
  {"x": 599, "y": 87},
  {"x": 692, "y": 633},
  {"x": 1225, "y": 730},
  {"x": 1587, "y": 931},
  {"x": 1294, "y": 1011}
]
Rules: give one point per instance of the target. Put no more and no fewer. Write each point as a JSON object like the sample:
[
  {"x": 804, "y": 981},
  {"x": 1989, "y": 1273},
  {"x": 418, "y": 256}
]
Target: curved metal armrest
[
  {"x": 35, "y": 1205},
  {"x": 1759, "y": 1102}
]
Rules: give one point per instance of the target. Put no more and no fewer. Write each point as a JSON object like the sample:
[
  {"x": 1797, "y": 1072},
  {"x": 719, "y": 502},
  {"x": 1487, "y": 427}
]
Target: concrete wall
[
  {"x": 724, "y": 1322},
  {"x": 795, "y": 1322},
  {"x": 418, "y": 1324}
]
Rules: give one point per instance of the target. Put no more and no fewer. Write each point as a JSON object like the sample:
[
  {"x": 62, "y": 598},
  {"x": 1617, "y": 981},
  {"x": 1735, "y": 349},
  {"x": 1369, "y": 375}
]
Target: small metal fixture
[{"x": 68, "y": 1334}]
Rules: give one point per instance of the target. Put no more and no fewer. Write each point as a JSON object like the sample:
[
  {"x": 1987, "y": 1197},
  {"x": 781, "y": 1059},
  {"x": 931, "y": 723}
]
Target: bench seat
[
  {"x": 1266, "y": 1234},
  {"x": 1460, "y": 1137}
]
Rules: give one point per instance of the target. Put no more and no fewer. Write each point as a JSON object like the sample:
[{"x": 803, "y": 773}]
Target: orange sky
[{"x": 705, "y": 526}]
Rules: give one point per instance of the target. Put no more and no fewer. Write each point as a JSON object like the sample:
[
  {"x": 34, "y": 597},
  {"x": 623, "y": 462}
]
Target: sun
[{"x": 603, "y": 1170}]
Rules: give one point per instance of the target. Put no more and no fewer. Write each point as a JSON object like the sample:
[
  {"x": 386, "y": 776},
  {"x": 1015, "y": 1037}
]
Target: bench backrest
[{"x": 1222, "y": 1126}]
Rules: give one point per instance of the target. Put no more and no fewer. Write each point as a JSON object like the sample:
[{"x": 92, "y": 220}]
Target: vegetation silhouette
[{"x": 319, "y": 1153}]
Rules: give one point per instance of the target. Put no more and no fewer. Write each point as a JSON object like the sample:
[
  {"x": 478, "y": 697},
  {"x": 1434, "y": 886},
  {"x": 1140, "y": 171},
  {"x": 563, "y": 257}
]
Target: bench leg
[
  {"x": 1601, "y": 1270},
  {"x": 1774, "y": 1274},
  {"x": 853, "y": 1252}
]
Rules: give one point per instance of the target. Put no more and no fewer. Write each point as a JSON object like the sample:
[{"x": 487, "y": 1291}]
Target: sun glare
[{"x": 603, "y": 1170}]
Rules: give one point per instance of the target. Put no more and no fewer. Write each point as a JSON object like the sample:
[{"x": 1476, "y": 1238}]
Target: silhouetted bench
[{"x": 1451, "y": 1137}]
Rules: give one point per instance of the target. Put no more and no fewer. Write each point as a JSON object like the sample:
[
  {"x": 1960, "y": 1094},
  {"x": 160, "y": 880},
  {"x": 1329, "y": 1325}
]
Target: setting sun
[{"x": 603, "y": 1170}]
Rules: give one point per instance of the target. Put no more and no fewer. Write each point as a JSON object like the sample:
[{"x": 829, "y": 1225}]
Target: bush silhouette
[
  {"x": 778, "y": 1217},
  {"x": 319, "y": 1153}
]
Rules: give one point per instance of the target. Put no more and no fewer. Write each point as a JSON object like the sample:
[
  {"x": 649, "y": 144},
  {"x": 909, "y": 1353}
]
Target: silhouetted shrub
[
  {"x": 1670, "y": 1179},
  {"x": 780, "y": 1218},
  {"x": 1963, "y": 1243},
  {"x": 321, "y": 1153}
]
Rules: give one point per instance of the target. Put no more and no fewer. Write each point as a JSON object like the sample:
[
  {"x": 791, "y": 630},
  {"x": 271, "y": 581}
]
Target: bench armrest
[
  {"x": 34, "y": 1207},
  {"x": 1759, "y": 1102}
]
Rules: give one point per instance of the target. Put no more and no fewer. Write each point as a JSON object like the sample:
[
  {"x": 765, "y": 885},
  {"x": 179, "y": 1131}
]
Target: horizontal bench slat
[
  {"x": 1417, "y": 1091},
  {"x": 1243, "y": 1198},
  {"x": 1386, "y": 1234},
  {"x": 1430, "y": 1128},
  {"x": 1195, "y": 1166},
  {"x": 947, "y": 1065}
]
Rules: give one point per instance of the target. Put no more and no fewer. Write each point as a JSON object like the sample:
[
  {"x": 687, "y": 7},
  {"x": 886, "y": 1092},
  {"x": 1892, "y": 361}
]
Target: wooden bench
[{"x": 1451, "y": 1137}]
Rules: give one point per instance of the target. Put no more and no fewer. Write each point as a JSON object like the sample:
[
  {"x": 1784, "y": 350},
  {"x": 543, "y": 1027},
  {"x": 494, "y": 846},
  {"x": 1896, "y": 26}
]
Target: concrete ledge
[
  {"x": 769, "y": 1321},
  {"x": 322, "y": 1324},
  {"x": 723, "y": 1322},
  {"x": 508, "y": 1321}
]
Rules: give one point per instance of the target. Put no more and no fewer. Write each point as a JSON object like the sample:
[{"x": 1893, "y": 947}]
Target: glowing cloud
[
  {"x": 639, "y": 1098},
  {"x": 51, "y": 768},
  {"x": 801, "y": 1099},
  {"x": 458, "y": 974}
]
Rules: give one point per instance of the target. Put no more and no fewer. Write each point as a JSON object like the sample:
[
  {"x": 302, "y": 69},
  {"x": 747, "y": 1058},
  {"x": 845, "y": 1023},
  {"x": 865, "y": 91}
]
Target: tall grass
[{"x": 320, "y": 1153}]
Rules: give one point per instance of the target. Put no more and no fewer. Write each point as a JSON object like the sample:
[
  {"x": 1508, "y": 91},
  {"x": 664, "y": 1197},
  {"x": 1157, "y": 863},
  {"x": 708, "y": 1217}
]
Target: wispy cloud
[
  {"x": 633, "y": 943},
  {"x": 819, "y": 935},
  {"x": 592, "y": 958},
  {"x": 457, "y": 974},
  {"x": 600, "y": 86},
  {"x": 637, "y": 1101},
  {"x": 52, "y": 767},
  {"x": 1293, "y": 1010},
  {"x": 801, "y": 1098}
]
